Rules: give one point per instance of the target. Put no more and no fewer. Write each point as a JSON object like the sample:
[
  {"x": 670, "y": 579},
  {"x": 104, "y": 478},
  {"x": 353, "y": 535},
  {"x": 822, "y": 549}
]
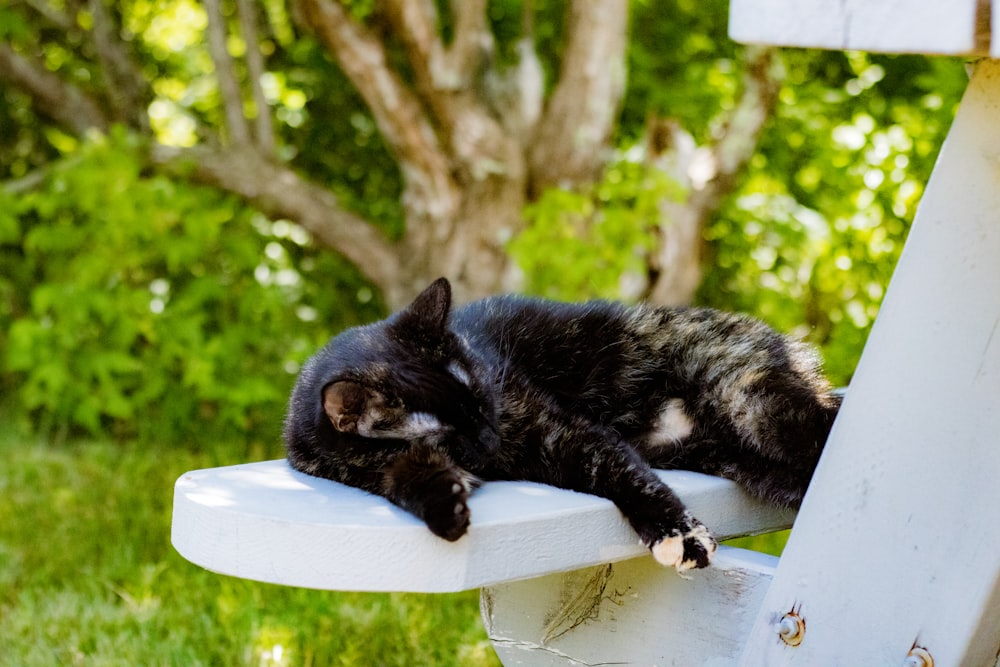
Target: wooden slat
[
  {"x": 266, "y": 522},
  {"x": 994, "y": 27},
  {"x": 898, "y": 540},
  {"x": 891, "y": 26},
  {"x": 630, "y": 613}
]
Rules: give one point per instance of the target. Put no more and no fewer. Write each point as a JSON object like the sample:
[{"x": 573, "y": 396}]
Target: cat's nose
[{"x": 489, "y": 438}]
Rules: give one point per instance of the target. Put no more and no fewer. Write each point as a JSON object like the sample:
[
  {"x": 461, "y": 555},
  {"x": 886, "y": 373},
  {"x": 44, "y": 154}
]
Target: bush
[
  {"x": 151, "y": 308},
  {"x": 595, "y": 242}
]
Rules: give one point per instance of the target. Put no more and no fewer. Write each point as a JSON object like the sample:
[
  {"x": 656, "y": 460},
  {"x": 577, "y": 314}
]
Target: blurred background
[{"x": 195, "y": 195}]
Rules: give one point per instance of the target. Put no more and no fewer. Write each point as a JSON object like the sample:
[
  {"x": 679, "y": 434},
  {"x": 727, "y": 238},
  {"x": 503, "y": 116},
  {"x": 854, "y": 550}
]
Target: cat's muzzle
[{"x": 489, "y": 438}]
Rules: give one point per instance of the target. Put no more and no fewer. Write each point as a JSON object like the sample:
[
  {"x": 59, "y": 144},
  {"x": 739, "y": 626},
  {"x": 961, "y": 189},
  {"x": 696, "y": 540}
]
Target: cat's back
[
  {"x": 605, "y": 338},
  {"x": 593, "y": 322},
  {"x": 510, "y": 317}
]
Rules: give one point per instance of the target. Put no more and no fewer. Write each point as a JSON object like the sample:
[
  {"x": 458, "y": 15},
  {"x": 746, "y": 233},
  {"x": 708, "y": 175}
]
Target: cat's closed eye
[
  {"x": 459, "y": 373},
  {"x": 353, "y": 407}
]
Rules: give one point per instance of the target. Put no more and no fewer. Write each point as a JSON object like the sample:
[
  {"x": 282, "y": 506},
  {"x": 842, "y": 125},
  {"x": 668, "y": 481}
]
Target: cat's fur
[{"x": 590, "y": 397}]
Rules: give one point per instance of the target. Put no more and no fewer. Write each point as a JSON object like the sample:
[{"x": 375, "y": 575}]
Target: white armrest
[{"x": 267, "y": 522}]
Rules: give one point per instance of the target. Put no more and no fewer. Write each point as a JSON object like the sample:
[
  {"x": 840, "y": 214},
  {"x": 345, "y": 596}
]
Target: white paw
[
  {"x": 669, "y": 551},
  {"x": 686, "y": 550}
]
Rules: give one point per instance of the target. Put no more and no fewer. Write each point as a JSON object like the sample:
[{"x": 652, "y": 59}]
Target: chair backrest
[{"x": 895, "y": 555}]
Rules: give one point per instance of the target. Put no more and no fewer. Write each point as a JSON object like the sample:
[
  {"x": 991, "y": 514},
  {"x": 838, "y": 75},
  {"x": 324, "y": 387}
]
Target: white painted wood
[
  {"x": 894, "y": 26},
  {"x": 994, "y": 27},
  {"x": 267, "y": 522},
  {"x": 898, "y": 540},
  {"x": 629, "y": 613}
]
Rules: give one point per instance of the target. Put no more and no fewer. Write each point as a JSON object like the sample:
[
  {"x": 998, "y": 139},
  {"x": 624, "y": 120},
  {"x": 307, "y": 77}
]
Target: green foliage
[
  {"x": 810, "y": 236},
  {"x": 810, "y": 240},
  {"x": 88, "y": 577},
  {"x": 768, "y": 543},
  {"x": 332, "y": 133},
  {"x": 156, "y": 309},
  {"x": 681, "y": 64},
  {"x": 594, "y": 242},
  {"x": 807, "y": 241}
]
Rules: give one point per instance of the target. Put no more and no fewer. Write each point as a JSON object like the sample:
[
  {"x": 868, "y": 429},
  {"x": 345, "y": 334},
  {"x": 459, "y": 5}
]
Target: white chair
[{"x": 894, "y": 558}]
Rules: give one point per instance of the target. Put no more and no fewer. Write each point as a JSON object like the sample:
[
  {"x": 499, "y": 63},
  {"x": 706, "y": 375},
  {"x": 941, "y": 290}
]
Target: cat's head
[{"x": 410, "y": 377}]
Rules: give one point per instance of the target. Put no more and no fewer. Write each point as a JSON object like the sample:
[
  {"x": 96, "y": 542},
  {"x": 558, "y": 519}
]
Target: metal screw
[
  {"x": 792, "y": 629},
  {"x": 918, "y": 657}
]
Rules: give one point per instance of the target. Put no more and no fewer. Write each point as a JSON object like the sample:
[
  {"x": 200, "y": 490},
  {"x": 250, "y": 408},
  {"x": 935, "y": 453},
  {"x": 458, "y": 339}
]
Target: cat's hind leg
[
  {"x": 777, "y": 482},
  {"x": 781, "y": 432}
]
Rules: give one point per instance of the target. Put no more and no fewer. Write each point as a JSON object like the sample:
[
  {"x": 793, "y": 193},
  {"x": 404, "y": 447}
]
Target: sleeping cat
[{"x": 421, "y": 406}]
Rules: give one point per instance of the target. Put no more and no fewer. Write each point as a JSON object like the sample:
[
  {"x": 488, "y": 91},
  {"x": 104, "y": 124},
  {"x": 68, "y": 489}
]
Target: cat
[{"x": 424, "y": 405}]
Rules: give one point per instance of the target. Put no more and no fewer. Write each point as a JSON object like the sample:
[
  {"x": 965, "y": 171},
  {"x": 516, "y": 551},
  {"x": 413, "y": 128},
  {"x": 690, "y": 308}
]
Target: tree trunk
[
  {"x": 708, "y": 174},
  {"x": 474, "y": 143}
]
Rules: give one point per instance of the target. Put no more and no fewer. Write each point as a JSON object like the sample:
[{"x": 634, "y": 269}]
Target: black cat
[{"x": 421, "y": 406}]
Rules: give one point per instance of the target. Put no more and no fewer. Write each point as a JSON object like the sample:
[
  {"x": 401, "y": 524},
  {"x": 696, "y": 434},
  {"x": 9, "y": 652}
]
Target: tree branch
[
  {"x": 416, "y": 23},
  {"x": 530, "y": 73},
  {"x": 229, "y": 89},
  {"x": 437, "y": 67},
  {"x": 445, "y": 79},
  {"x": 263, "y": 127},
  {"x": 279, "y": 192},
  {"x": 473, "y": 42},
  {"x": 60, "y": 20},
  {"x": 54, "y": 98},
  {"x": 36, "y": 177},
  {"x": 763, "y": 73},
  {"x": 571, "y": 137},
  {"x": 675, "y": 264},
  {"x": 126, "y": 89},
  {"x": 397, "y": 111}
]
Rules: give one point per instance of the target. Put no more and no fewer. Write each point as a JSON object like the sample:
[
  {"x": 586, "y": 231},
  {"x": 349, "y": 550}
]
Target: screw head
[
  {"x": 918, "y": 657},
  {"x": 792, "y": 629}
]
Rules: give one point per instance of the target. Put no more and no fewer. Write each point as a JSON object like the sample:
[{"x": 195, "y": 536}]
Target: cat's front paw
[
  {"x": 446, "y": 508},
  {"x": 689, "y": 546}
]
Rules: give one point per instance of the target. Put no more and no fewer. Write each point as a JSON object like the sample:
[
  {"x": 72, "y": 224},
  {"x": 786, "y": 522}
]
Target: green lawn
[{"x": 88, "y": 577}]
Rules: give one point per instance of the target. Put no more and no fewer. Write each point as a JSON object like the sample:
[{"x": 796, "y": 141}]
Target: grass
[{"x": 88, "y": 577}]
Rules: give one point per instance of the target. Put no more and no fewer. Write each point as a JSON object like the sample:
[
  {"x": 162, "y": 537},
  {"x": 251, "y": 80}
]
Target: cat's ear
[
  {"x": 345, "y": 403},
  {"x": 431, "y": 307}
]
